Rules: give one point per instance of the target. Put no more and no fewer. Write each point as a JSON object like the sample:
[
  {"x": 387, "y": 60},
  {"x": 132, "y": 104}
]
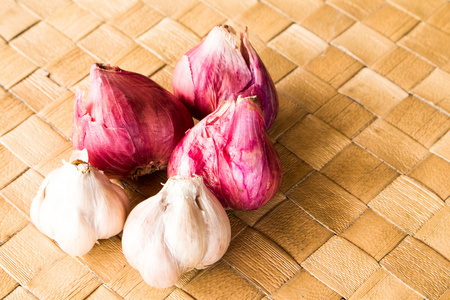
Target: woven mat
[{"x": 363, "y": 134}]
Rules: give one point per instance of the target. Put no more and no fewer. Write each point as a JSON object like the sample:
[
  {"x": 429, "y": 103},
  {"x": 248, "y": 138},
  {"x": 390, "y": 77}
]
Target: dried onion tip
[
  {"x": 216, "y": 70},
  {"x": 234, "y": 155},
  {"x": 128, "y": 123}
]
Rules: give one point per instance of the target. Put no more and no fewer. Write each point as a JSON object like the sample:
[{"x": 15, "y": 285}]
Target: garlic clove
[
  {"x": 109, "y": 209},
  {"x": 76, "y": 205},
  {"x": 180, "y": 228},
  {"x": 74, "y": 234},
  {"x": 232, "y": 152},
  {"x": 184, "y": 223},
  {"x": 142, "y": 230},
  {"x": 216, "y": 70},
  {"x": 144, "y": 247},
  {"x": 217, "y": 233},
  {"x": 162, "y": 270}
]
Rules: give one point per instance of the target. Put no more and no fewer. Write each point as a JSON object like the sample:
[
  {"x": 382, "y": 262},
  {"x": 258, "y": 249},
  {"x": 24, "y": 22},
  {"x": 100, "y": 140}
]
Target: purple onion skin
[
  {"x": 128, "y": 123},
  {"x": 232, "y": 152},
  {"x": 216, "y": 70}
]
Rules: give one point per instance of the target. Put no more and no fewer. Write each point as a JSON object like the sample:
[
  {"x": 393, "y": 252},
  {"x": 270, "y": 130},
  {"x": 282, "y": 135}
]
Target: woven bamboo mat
[{"x": 363, "y": 135}]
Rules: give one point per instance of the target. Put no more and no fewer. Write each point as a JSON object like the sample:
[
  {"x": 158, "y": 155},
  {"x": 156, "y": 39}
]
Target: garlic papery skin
[
  {"x": 182, "y": 227},
  {"x": 216, "y": 70},
  {"x": 128, "y": 123},
  {"x": 76, "y": 205},
  {"x": 232, "y": 152}
]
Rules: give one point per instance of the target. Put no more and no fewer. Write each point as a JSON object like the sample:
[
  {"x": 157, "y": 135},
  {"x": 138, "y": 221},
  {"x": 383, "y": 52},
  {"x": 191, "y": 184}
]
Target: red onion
[
  {"x": 231, "y": 151},
  {"x": 216, "y": 70},
  {"x": 128, "y": 123}
]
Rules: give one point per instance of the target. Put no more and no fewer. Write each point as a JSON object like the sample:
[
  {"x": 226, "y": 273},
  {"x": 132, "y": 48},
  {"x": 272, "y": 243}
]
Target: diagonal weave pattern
[{"x": 363, "y": 135}]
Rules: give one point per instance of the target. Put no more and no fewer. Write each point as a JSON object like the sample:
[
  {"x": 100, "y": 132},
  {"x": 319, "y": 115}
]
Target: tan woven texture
[{"x": 362, "y": 132}]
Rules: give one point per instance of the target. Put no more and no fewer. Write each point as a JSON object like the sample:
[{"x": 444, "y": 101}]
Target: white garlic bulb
[
  {"x": 182, "y": 227},
  {"x": 77, "y": 204}
]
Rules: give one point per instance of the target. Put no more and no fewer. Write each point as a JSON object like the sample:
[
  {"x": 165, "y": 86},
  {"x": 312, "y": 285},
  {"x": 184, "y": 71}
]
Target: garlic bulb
[
  {"x": 180, "y": 228},
  {"x": 77, "y": 204},
  {"x": 128, "y": 123},
  {"x": 231, "y": 151},
  {"x": 216, "y": 70}
]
